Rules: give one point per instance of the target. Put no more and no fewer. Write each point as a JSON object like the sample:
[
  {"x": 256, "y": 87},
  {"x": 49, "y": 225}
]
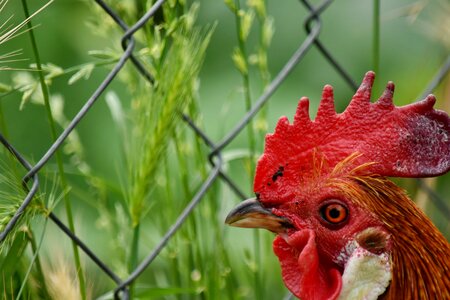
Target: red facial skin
[
  {"x": 308, "y": 255},
  {"x": 300, "y": 159}
]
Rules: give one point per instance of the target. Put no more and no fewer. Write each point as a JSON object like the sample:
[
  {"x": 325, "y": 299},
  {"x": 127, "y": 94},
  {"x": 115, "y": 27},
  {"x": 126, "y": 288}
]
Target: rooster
[{"x": 344, "y": 231}]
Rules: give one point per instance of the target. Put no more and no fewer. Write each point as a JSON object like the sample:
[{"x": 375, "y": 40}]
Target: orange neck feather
[{"x": 419, "y": 252}]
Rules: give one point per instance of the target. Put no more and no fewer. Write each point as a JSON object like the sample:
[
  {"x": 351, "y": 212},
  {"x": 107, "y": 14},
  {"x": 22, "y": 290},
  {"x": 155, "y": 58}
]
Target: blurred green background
[{"x": 415, "y": 42}]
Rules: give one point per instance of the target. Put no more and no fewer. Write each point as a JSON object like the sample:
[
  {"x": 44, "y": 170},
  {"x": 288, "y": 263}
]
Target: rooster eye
[{"x": 334, "y": 213}]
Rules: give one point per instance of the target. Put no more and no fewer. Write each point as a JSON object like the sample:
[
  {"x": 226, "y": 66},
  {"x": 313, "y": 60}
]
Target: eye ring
[{"x": 334, "y": 213}]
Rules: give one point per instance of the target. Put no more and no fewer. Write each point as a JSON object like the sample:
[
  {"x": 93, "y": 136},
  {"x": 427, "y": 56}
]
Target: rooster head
[{"x": 320, "y": 186}]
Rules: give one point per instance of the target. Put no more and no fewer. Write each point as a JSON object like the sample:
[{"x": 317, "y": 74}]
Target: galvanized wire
[
  {"x": 312, "y": 26},
  {"x": 440, "y": 74}
]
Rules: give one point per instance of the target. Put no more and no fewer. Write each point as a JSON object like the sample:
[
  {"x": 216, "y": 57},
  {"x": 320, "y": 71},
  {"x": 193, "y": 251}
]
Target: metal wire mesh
[{"x": 312, "y": 26}]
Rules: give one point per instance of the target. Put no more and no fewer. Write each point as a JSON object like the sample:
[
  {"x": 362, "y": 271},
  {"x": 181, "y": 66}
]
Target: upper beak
[{"x": 251, "y": 214}]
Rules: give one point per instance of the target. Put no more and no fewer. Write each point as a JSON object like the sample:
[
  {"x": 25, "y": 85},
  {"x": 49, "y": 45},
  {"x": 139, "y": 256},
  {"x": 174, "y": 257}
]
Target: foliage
[{"x": 132, "y": 165}]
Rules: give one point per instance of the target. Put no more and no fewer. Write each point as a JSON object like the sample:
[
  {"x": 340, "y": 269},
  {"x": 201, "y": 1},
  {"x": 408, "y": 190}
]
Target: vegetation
[{"x": 132, "y": 165}]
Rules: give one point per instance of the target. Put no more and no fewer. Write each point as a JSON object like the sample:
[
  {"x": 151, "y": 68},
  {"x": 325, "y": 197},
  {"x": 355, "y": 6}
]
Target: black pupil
[{"x": 334, "y": 213}]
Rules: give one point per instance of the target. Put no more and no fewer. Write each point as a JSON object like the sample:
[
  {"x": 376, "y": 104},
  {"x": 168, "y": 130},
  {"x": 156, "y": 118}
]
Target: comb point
[
  {"x": 326, "y": 106},
  {"x": 430, "y": 100},
  {"x": 387, "y": 96},
  {"x": 327, "y": 93},
  {"x": 302, "y": 114},
  {"x": 365, "y": 89},
  {"x": 425, "y": 104},
  {"x": 282, "y": 125}
]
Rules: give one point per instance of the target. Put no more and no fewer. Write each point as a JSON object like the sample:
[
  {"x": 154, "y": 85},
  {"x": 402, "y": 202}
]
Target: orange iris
[{"x": 335, "y": 213}]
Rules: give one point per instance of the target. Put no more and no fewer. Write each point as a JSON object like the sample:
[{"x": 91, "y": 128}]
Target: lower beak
[{"x": 251, "y": 214}]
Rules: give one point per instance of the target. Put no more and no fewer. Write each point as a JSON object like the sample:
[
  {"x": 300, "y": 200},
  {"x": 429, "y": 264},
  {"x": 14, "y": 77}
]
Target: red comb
[{"x": 407, "y": 141}]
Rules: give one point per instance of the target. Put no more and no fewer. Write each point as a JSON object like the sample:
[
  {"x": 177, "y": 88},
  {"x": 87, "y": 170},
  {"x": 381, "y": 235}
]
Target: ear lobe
[{"x": 302, "y": 271}]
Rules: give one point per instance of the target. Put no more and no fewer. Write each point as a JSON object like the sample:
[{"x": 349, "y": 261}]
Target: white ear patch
[{"x": 366, "y": 275}]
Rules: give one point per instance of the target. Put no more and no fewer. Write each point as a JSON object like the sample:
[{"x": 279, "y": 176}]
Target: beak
[{"x": 251, "y": 214}]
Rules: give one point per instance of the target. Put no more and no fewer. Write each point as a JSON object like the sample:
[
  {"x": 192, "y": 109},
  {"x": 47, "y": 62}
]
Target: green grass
[
  {"x": 53, "y": 134},
  {"x": 131, "y": 166}
]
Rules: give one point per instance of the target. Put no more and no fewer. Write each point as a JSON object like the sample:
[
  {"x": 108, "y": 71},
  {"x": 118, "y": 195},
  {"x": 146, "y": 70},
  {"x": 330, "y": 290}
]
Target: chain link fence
[{"x": 312, "y": 26}]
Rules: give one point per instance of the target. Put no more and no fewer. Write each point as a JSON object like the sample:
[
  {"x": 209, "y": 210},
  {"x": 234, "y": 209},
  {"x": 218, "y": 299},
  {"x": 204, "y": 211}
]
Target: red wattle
[{"x": 303, "y": 272}]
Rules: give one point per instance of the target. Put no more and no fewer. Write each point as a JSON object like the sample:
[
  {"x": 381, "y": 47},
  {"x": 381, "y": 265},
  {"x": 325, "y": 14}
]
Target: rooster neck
[
  {"x": 419, "y": 252},
  {"x": 420, "y": 261}
]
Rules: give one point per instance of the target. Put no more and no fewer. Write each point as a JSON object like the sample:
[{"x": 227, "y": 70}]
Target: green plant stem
[
  {"x": 191, "y": 228},
  {"x": 34, "y": 259},
  {"x": 251, "y": 142},
  {"x": 4, "y": 132},
  {"x": 68, "y": 206},
  {"x": 165, "y": 223},
  {"x": 263, "y": 68},
  {"x": 246, "y": 86},
  {"x": 40, "y": 273},
  {"x": 376, "y": 37},
  {"x": 3, "y": 128},
  {"x": 134, "y": 254}
]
